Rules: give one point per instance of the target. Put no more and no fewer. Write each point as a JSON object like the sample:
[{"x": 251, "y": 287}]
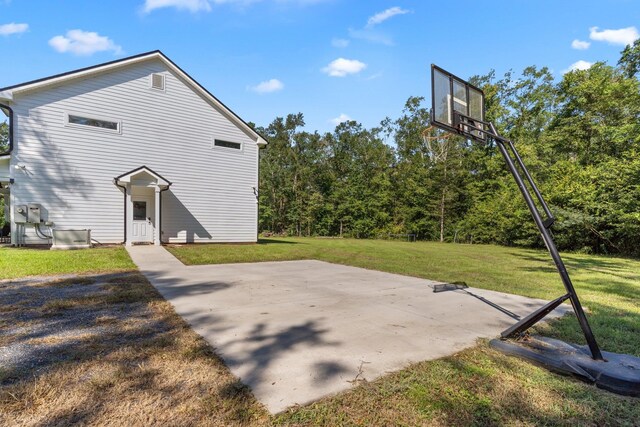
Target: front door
[{"x": 142, "y": 229}]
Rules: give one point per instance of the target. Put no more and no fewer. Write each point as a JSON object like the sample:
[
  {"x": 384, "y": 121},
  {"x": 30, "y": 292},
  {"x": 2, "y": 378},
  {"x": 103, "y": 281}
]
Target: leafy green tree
[
  {"x": 579, "y": 138},
  {"x": 362, "y": 193},
  {"x": 431, "y": 174},
  {"x": 522, "y": 109},
  {"x": 598, "y": 115},
  {"x": 629, "y": 62}
]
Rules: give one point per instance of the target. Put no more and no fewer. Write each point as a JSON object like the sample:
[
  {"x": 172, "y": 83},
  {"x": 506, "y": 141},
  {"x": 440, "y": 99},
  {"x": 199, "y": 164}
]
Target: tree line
[{"x": 579, "y": 136}]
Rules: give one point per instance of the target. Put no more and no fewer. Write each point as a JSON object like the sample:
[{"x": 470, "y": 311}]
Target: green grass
[
  {"x": 526, "y": 272},
  {"x": 478, "y": 386},
  {"x": 22, "y": 262}
]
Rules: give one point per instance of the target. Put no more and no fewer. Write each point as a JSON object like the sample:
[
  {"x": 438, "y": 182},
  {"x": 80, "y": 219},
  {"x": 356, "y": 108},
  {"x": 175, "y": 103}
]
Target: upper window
[
  {"x": 227, "y": 144},
  {"x": 157, "y": 81},
  {"x": 74, "y": 119}
]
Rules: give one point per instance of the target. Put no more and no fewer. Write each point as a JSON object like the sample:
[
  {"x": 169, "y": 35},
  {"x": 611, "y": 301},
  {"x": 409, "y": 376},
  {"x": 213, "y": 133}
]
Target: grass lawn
[
  {"x": 125, "y": 357},
  {"x": 21, "y": 262},
  {"x": 478, "y": 384}
]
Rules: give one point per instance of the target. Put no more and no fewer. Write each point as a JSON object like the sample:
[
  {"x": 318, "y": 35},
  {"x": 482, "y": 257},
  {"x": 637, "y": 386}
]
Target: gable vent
[{"x": 157, "y": 81}]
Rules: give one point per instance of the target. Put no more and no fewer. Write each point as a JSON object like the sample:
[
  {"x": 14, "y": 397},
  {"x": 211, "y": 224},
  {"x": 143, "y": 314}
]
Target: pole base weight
[{"x": 619, "y": 373}]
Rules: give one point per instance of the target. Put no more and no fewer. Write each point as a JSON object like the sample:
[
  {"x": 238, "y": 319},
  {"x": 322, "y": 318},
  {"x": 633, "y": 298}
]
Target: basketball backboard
[{"x": 456, "y": 104}]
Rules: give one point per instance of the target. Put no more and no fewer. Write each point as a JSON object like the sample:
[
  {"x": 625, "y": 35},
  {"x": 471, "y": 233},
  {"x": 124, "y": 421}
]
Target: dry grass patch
[
  {"x": 7, "y": 308},
  {"x": 65, "y": 282},
  {"x": 142, "y": 366}
]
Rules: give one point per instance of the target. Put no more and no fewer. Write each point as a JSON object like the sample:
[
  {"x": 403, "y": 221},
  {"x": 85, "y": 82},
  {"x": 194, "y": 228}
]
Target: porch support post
[
  {"x": 156, "y": 230},
  {"x": 129, "y": 216}
]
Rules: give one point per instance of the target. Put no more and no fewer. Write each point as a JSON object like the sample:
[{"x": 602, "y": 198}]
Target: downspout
[
  {"x": 257, "y": 192},
  {"x": 14, "y": 227},
  {"x": 160, "y": 216},
  {"x": 6, "y": 107},
  {"x": 115, "y": 181}
]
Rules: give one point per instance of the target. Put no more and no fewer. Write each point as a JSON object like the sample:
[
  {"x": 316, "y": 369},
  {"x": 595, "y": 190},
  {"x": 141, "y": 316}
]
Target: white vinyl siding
[{"x": 70, "y": 170}]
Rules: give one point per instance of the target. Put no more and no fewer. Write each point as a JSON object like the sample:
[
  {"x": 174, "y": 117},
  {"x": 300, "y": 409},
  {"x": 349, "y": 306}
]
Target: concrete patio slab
[{"x": 296, "y": 331}]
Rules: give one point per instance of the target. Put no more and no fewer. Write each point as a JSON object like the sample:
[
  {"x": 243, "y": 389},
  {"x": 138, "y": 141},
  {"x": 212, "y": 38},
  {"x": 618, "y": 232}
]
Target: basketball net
[{"x": 437, "y": 143}]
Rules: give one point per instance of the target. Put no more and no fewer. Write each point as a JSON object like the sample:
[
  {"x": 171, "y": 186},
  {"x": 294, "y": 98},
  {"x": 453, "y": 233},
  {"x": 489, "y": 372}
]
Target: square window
[{"x": 139, "y": 211}]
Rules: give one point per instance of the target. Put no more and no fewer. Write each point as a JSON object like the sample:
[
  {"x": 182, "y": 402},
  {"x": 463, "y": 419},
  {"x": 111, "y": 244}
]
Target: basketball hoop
[
  {"x": 458, "y": 107},
  {"x": 437, "y": 145}
]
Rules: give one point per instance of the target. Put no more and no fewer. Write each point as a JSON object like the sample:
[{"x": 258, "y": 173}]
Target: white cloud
[
  {"x": 268, "y": 86},
  {"x": 194, "y": 6},
  {"x": 580, "y": 45},
  {"x": 190, "y": 5},
  {"x": 380, "y": 17},
  {"x": 622, "y": 36},
  {"x": 579, "y": 65},
  {"x": 341, "y": 67},
  {"x": 340, "y": 119},
  {"x": 13, "y": 28},
  {"x": 339, "y": 42},
  {"x": 81, "y": 42}
]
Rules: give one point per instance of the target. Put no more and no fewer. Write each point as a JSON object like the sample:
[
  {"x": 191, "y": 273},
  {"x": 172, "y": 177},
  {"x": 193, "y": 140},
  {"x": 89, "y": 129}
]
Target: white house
[{"x": 135, "y": 150}]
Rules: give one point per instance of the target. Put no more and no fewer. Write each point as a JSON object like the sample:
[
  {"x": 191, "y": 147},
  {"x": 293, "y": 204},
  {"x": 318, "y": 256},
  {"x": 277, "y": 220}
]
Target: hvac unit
[{"x": 71, "y": 239}]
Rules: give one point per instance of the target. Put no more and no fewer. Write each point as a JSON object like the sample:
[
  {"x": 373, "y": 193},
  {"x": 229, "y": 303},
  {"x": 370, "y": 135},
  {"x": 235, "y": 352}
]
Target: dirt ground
[{"x": 108, "y": 350}]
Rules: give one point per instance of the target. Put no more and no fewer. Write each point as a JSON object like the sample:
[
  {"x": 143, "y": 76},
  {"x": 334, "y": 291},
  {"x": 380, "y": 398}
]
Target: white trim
[
  {"x": 159, "y": 180},
  {"x": 85, "y": 73},
  {"x": 156, "y": 229},
  {"x": 153, "y": 55},
  {"x": 6, "y": 95},
  {"x": 129, "y": 216},
  {"x": 67, "y": 123}
]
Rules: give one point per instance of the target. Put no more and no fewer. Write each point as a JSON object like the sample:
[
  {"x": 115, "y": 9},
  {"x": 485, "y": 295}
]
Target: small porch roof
[{"x": 139, "y": 173}]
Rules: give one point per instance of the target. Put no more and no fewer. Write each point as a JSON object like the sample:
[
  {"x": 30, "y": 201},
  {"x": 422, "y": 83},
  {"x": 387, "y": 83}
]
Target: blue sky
[{"x": 328, "y": 59}]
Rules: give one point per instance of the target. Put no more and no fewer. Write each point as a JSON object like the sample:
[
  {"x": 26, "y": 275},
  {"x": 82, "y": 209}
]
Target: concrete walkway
[{"x": 296, "y": 331}]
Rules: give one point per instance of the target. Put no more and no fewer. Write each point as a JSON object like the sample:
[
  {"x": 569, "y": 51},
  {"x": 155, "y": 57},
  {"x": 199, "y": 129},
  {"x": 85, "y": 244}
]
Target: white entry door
[{"x": 142, "y": 228}]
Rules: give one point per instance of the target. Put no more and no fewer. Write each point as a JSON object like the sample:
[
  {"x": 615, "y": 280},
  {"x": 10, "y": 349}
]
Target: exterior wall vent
[{"x": 157, "y": 81}]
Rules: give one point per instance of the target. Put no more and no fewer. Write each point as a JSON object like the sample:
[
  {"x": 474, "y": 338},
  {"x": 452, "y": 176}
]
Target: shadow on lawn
[
  {"x": 480, "y": 395},
  {"x": 268, "y": 241},
  {"x": 108, "y": 330},
  {"x": 616, "y": 330},
  {"x": 542, "y": 262},
  {"x": 112, "y": 329}
]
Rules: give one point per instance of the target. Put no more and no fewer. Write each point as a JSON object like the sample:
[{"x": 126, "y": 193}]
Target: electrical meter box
[
  {"x": 34, "y": 213},
  {"x": 20, "y": 214}
]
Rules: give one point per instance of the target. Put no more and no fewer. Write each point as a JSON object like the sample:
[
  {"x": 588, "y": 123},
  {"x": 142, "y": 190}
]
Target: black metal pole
[
  {"x": 533, "y": 184},
  {"x": 555, "y": 255}
]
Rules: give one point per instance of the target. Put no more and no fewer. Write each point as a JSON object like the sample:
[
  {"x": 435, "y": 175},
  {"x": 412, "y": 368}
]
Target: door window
[{"x": 139, "y": 211}]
